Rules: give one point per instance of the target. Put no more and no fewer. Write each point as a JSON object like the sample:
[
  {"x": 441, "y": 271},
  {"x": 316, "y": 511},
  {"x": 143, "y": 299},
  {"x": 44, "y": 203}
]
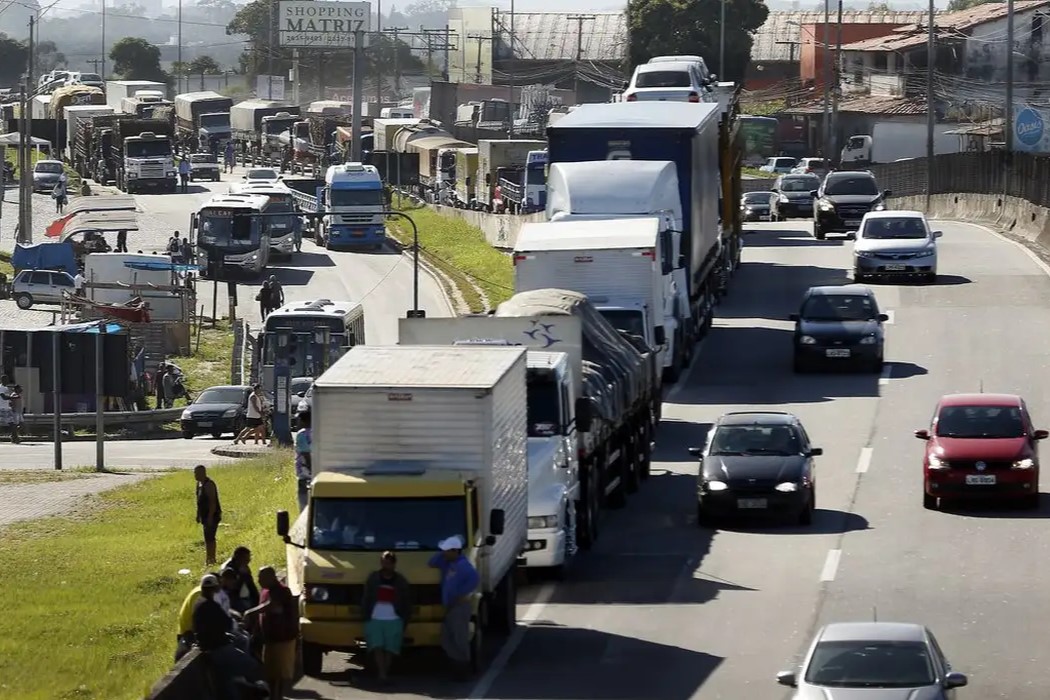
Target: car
[
  {"x": 754, "y": 206},
  {"x": 756, "y": 462},
  {"x": 204, "y": 166},
  {"x": 701, "y": 65},
  {"x": 895, "y": 244},
  {"x": 46, "y": 174},
  {"x": 302, "y": 391},
  {"x": 267, "y": 175},
  {"x": 840, "y": 325},
  {"x": 874, "y": 661},
  {"x": 843, "y": 199},
  {"x": 90, "y": 79},
  {"x": 779, "y": 164},
  {"x": 678, "y": 81},
  {"x": 792, "y": 197},
  {"x": 981, "y": 445},
  {"x": 811, "y": 166},
  {"x": 41, "y": 287},
  {"x": 216, "y": 410}
]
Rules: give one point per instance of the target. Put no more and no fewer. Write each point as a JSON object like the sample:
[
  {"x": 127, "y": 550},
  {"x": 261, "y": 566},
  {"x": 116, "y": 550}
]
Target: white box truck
[
  {"x": 411, "y": 445},
  {"x": 616, "y": 263},
  {"x": 117, "y": 90}
]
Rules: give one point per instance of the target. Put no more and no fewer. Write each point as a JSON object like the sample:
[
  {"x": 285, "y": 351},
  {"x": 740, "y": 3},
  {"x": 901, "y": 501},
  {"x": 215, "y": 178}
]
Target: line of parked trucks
[{"x": 516, "y": 429}]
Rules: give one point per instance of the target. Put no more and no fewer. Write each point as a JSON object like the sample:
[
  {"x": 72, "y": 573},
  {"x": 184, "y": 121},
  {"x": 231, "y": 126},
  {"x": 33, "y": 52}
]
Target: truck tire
[
  {"x": 588, "y": 511},
  {"x": 503, "y": 609},
  {"x": 645, "y": 458},
  {"x": 634, "y": 463},
  {"x": 313, "y": 660}
]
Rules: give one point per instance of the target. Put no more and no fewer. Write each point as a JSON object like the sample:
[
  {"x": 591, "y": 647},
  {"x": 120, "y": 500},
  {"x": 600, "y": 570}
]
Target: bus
[
  {"x": 319, "y": 331},
  {"x": 760, "y": 136},
  {"x": 230, "y": 236},
  {"x": 285, "y": 229}
]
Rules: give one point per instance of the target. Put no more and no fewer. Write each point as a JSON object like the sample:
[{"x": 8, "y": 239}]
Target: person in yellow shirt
[{"x": 184, "y": 636}]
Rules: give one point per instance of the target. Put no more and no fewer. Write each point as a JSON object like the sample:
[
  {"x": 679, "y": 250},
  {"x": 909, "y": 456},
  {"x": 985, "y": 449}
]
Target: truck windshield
[
  {"x": 279, "y": 126},
  {"x": 148, "y": 149},
  {"x": 544, "y": 407},
  {"x": 281, "y": 226},
  {"x": 215, "y": 120},
  {"x": 356, "y": 198},
  {"x": 535, "y": 176},
  {"x": 379, "y": 524},
  {"x": 627, "y": 320}
]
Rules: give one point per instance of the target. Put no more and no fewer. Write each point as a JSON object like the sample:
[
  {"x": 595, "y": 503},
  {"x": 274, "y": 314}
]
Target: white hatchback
[
  {"x": 672, "y": 81},
  {"x": 895, "y": 244}
]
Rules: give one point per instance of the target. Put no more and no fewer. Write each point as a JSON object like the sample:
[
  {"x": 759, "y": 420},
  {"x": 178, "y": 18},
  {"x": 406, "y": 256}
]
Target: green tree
[
  {"x": 13, "y": 59},
  {"x": 664, "y": 27},
  {"x": 957, "y": 5},
  {"x": 137, "y": 59},
  {"x": 202, "y": 66}
]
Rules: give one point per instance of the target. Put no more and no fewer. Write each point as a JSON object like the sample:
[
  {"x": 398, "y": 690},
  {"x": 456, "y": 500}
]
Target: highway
[{"x": 664, "y": 610}]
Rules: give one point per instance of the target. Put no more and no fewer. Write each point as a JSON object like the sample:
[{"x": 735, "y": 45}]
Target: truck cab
[
  {"x": 273, "y": 127},
  {"x": 149, "y": 162},
  {"x": 354, "y": 194},
  {"x": 213, "y": 131},
  {"x": 535, "y": 195}
]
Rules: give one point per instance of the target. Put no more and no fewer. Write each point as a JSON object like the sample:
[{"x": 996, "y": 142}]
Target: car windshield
[
  {"x": 148, "y": 148},
  {"x": 203, "y": 158},
  {"x": 782, "y": 162},
  {"x": 858, "y": 185},
  {"x": 799, "y": 184},
  {"x": 839, "y": 307},
  {"x": 755, "y": 440},
  {"x": 978, "y": 422},
  {"x": 877, "y": 664},
  {"x": 663, "y": 79},
  {"x": 896, "y": 227},
  {"x": 262, "y": 174},
  {"x": 235, "y": 396},
  {"x": 625, "y": 320},
  {"x": 379, "y": 524},
  {"x": 52, "y": 168},
  {"x": 757, "y": 197},
  {"x": 815, "y": 164}
]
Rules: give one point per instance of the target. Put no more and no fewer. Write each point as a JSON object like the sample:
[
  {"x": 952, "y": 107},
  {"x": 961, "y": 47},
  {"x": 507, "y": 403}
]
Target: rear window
[
  {"x": 202, "y": 159},
  {"x": 757, "y": 197},
  {"x": 663, "y": 79},
  {"x": 782, "y": 162},
  {"x": 815, "y": 163},
  {"x": 799, "y": 184}
]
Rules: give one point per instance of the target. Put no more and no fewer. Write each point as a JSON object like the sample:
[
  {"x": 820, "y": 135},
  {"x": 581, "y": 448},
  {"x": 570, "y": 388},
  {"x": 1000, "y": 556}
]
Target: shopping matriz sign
[{"x": 313, "y": 24}]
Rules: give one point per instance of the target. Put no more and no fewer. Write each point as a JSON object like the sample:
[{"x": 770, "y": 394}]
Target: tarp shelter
[
  {"x": 14, "y": 139},
  {"x": 102, "y": 213},
  {"x": 162, "y": 264},
  {"x": 99, "y": 221}
]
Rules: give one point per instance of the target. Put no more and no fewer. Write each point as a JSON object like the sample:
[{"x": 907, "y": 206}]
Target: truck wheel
[
  {"x": 588, "y": 512},
  {"x": 645, "y": 458},
  {"x": 634, "y": 464},
  {"x": 503, "y": 611},
  {"x": 313, "y": 660}
]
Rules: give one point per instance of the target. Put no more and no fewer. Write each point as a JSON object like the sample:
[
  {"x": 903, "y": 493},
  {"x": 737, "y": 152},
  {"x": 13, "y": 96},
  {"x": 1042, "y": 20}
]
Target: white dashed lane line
[
  {"x": 864, "y": 461},
  {"x": 831, "y": 566}
]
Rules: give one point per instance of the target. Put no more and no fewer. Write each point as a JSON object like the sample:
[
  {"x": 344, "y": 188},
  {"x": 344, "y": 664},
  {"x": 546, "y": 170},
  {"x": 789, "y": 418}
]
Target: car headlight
[
  {"x": 936, "y": 462},
  {"x": 1024, "y": 464},
  {"x": 925, "y": 253},
  {"x": 230, "y": 413},
  {"x": 543, "y": 522},
  {"x": 716, "y": 485},
  {"x": 864, "y": 254},
  {"x": 170, "y": 175},
  {"x": 186, "y": 415},
  {"x": 807, "y": 340},
  {"x": 787, "y": 487},
  {"x": 879, "y": 207},
  {"x": 826, "y": 206},
  {"x": 318, "y": 594},
  {"x": 868, "y": 340},
  {"x": 132, "y": 176}
]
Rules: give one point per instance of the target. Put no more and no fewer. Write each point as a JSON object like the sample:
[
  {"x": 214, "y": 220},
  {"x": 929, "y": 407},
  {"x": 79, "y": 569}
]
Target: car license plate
[
  {"x": 980, "y": 479},
  {"x": 896, "y": 268},
  {"x": 204, "y": 424},
  {"x": 836, "y": 352},
  {"x": 751, "y": 503},
  {"x": 853, "y": 222}
]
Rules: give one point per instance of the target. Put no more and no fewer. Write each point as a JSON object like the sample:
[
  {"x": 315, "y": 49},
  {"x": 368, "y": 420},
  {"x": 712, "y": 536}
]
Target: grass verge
[
  {"x": 755, "y": 172},
  {"x": 460, "y": 251},
  {"x": 21, "y": 477},
  {"x": 73, "y": 177},
  {"x": 98, "y": 598},
  {"x": 5, "y": 265}
]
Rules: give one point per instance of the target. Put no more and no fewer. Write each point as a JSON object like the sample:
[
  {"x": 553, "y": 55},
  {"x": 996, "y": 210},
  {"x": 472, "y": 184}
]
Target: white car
[
  {"x": 895, "y": 244},
  {"x": 673, "y": 81},
  {"x": 266, "y": 175},
  {"x": 781, "y": 165},
  {"x": 701, "y": 65},
  {"x": 41, "y": 287},
  {"x": 811, "y": 166}
]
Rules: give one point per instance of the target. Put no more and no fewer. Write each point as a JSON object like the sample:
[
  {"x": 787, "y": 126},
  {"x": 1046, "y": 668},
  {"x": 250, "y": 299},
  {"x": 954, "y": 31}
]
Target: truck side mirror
[
  {"x": 660, "y": 335},
  {"x": 887, "y": 193},
  {"x": 282, "y": 523},
  {"x": 497, "y": 521},
  {"x": 583, "y": 414}
]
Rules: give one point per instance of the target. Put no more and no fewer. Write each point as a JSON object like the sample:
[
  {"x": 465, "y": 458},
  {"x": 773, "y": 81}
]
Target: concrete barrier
[
  {"x": 1013, "y": 215},
  {"x": 501, "y": 230},
  {"x": 188, "y": 679}
]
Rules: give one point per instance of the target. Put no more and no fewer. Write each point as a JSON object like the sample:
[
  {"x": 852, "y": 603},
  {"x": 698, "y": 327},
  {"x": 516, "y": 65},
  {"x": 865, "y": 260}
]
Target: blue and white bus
[
  {"x": 284, "y": 223},
  {"x": 227, "y": 231},
  {"x": 312, "y": 335}
]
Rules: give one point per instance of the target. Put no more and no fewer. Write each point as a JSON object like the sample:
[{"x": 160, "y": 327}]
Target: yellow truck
[{"x": 411, "y": 445}]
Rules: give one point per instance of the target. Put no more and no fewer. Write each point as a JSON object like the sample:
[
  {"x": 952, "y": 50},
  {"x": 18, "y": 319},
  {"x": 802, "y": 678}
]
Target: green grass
[
  {"x": 5, "y": 265},
  {"x": 460, "y": 251},
  {"x": 38, "y": 476},
  {"x": 207, "y": 368},
  {"x": 73, "y": 177},
  {"x": 95, "y": 600}
]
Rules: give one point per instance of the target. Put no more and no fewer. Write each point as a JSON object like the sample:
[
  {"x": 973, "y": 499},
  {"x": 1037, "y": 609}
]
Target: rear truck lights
[
  {"x": 1024, "y": 464},
  {"x": 787, "y": 487},
  {"x": 807, "y": 340},
  {"x": 543, "y": 522},
  {"x": 935, "y": 462},
  {"x": 716, "y": 485}
]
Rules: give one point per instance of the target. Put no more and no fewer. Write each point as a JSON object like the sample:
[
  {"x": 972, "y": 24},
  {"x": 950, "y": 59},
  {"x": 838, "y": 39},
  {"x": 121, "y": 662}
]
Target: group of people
[
  {"x": 180, "y": 250},
  {"x": 170, "y": 384},
  {"x": 270, "y": 296},
  {"x": 248, "y": 632}
]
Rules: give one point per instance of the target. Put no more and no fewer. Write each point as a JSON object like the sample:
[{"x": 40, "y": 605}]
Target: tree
[
  {"x": 202, "y": 66},
  {"x": 48, "y": 57},
  {"x": 14, "y": 55},
  {"x": 879, "y": 7},
  {"x": 957, "y": 5},
  {"x": 664, "y": 27},
  {"x": 137, "y": 59}
]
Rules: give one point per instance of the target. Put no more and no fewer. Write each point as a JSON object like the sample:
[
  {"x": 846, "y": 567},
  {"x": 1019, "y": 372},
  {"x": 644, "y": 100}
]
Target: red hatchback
[{"x": 981, "y": 445}]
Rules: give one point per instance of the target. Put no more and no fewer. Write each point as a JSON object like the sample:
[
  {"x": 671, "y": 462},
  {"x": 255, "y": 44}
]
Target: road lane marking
[
  {"x": 831, "y": 566},
  {"x": 890, "y": 319},
  {"x": 886, "y": 374},
  {"x": 533, "y": 613},
  {"x": 864, "y": 461}
]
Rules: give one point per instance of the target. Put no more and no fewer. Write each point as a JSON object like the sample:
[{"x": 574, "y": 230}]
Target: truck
[
  {"x": 92, "y": 155},
  {"x": 143, "y": 151},
  {"x": 625, "y": 189},
  {"x": 118, "y": 90},
  {"x": 202, "y": 121},
  {"x": 524, "y": 190},
  {"x": 466, "y": 177},
  {"x": 71, "y": 95},
  {"x": 412, "y": 445},
  {"x": 893, "y": 141},
  {"x": 74, "y": 116},
  {"x": 275, "y": 146},
  {"x": 353, "y": 196},
  {"x": 144, "y": 103},
  {"x": 307, "y": 193},
  {"x": 496, "y": 154},
  {"x": 386, "y": 129},
  {"x": 617, "y": 263},
  {"x": 246, "y": 124},
  {"x": 40, "y": 107},
  {"x": 554, "y": 479},
  {"x": 333, "y": 108},
  {"x": 690, "y": 136}
]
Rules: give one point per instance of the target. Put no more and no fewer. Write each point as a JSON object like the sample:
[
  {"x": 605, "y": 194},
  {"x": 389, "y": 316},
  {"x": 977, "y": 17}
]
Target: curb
[{"x": 241, "y": 451}]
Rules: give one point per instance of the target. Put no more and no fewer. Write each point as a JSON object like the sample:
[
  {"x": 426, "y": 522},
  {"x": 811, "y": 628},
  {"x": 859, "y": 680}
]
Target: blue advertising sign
[{"x": 1028, "y": 127}]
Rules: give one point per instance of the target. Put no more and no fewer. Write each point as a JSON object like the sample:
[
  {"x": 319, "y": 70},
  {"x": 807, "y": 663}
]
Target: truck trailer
[
  {"x": 202, "y": 121},
  {"x": 76, "y": 115},
  {"x": 143, "y": 151}
]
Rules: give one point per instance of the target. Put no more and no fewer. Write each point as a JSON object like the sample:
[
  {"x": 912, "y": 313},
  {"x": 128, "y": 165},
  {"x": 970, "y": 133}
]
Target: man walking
[
  {"x": 279, "y": 624},
  {"x": 122, "y": 241},
  {"x": 459, "y": 580},
  {"x": 227, "y": 163},
  {"x": 303, "y": 465},
  {"x": 209, "y": 510},
  {"x": 276, "y": 293},
  {"x": 184, "y": 174},
  {"x": 386, "y": 605}
]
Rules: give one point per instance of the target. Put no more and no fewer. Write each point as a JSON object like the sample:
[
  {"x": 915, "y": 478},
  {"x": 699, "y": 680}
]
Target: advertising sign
[
  {"x": 321, "y": 24},
  {"x": 1029, "y": 131}
]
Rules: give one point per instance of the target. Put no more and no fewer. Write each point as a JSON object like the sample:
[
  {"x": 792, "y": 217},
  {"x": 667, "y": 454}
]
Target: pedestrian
[
  {"x": 12, "y": 394},
  {"x": 212, "y": 628},
  {"x": 184, "y": 174},
  {"x": 59, "y": 194},
  {"x": 228, "y": 161},
  {"x": 276, "y": 293},
  {"x": 264, "y": 297},
  {"x": 386, "y": 606},
  {"x": 186, "y": 251},
  {"x": 278, "y": 617},
  {"x": 209, "y": 511},
  {"x": 122, "y": 241},
  {"x": 174, "y": 247},
  {"x": 303, "y": 463},
  {"x": 168, "y": 383},
  {"x": 459, "y": 580},
  {"x": 78, "y": 282},
  {"x": 254, "y": 420},
  {"x": 245, "y": 595},
  {"x": 158, "y": 384},
  {"x": 7, "y": 409}
]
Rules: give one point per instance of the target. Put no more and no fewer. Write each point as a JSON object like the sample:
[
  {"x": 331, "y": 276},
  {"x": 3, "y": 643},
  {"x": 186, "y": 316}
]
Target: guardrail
[
  {"x": 156, "y": 417},
  {"x": 512, "y": 191}
]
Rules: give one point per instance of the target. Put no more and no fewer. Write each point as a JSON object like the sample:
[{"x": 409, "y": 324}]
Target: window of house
[{"x": 881, "y": 61}]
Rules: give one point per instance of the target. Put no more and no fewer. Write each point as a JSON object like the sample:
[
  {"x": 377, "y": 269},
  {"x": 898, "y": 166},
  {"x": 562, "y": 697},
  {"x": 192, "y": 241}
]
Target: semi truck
[
  {"x": 40, "y": 107},
  {"x": 118, "y": 90},
  {"x": 246, "y": 124},
  {"x": 690, "y": 136},
  {"x": 494, "y": 155},
  {"x": 386, "y": 129},
  {"x": 144, "y": 103},
  {"x": 412, "y": 445},
  {"x": 71, "y": 95},
  {"x": 75, "y": 116},
  {"x": 624, "y": 189},
  {"x": 202, "y": 121},
  {"x": 143, "y": 151},
  {"x": 523, "y": 190},
  {"x": 276, "y": 147},
  {"x": 352, "y": 194},
  {"x": 466, "y": 177},
  {"x": 92, "y": 152}
]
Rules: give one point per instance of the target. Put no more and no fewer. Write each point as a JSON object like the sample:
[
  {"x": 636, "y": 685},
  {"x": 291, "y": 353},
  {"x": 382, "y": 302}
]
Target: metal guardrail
[{"x": 155, "y": 417}]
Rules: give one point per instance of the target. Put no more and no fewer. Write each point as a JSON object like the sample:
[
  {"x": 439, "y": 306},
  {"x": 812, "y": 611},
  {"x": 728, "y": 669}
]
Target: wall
[
  {"x": 188, "y": 679},
  {"x": 766, "y": 74},
  {"x": 812, "y": 36},
  {"x": 501, "y": 230},
  {"x": 985, "y": 51}
]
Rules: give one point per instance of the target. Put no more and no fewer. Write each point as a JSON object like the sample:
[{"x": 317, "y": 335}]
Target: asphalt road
[{"x": 664, "y": 610}]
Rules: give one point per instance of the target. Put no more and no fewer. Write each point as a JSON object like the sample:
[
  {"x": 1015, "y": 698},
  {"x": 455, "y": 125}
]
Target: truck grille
[
  {"x": 357, "y": 219},
  {"x": 152, "y": 171},
  {"x": 423, "y": 594}
]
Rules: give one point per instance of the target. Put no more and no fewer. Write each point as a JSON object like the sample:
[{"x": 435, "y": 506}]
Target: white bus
[{"x": 285, "y": 229}]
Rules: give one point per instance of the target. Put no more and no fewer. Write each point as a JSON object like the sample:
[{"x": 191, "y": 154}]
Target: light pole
[
  {"x": 415, "y": 312},
  {"x": 931, "y": 52},
  {"x": 722, "y": 42},
  {"x": 178, "y": 56},
  {"x": 827, "y": 79},
  {"x": 104, "y": 39},
  {"x": 510, "y": 132}
]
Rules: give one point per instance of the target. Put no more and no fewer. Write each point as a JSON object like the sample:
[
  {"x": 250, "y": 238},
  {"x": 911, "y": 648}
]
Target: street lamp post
[
  {"x": 415, "y": 312},
  {"x": 722, "y": 42}
]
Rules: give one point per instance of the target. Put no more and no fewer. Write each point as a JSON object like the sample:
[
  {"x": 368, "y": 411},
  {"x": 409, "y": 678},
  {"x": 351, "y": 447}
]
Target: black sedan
[
  {"x": 754, "y": 206},
  {"x": 840, "y": 326},
  {"x": 756, "y": 463},
  {"x": 793, "y": 197},
  {"x": 218, "y": 410}
]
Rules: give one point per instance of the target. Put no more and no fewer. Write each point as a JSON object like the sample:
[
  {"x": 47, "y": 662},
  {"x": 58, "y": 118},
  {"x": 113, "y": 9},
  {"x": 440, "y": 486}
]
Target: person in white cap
[{"x": 459, "y": 580}]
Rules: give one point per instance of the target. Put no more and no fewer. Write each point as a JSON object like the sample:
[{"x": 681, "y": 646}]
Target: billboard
[
  {"x": 269, "y": 87},
  {"x": 321, "y": 24}
]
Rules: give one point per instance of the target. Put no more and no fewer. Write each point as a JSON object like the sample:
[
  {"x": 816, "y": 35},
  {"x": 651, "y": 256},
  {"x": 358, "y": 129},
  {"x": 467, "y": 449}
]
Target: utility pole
[
  {"x": 448, "y": 46},
  {"x": 103, "y": 73},
  {"x": 1008, "y": 121},
  {"x": 25, "y": 191},
  {"x": 722, "y": 41},
  {"x": 94, "y": 64},
  {"x": 397, "y": 59},
  {"x": 931, "y": 117},
  {"x": 579, "y": 19},
  {"x": 379, "y": 62},
  {"x": 827, "y": 79},
  {"x": 510, "y": 99},
  {"x": 837, "y": 87},
  {"x": 272, "y": 50},
  {"x": 437, "y": 40},
  {"x": 178, "y": 57},
  {"x": 481, "y": 39}
]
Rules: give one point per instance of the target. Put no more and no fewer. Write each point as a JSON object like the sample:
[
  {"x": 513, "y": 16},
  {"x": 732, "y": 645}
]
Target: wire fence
[{"x": 1022, "y": 175}]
